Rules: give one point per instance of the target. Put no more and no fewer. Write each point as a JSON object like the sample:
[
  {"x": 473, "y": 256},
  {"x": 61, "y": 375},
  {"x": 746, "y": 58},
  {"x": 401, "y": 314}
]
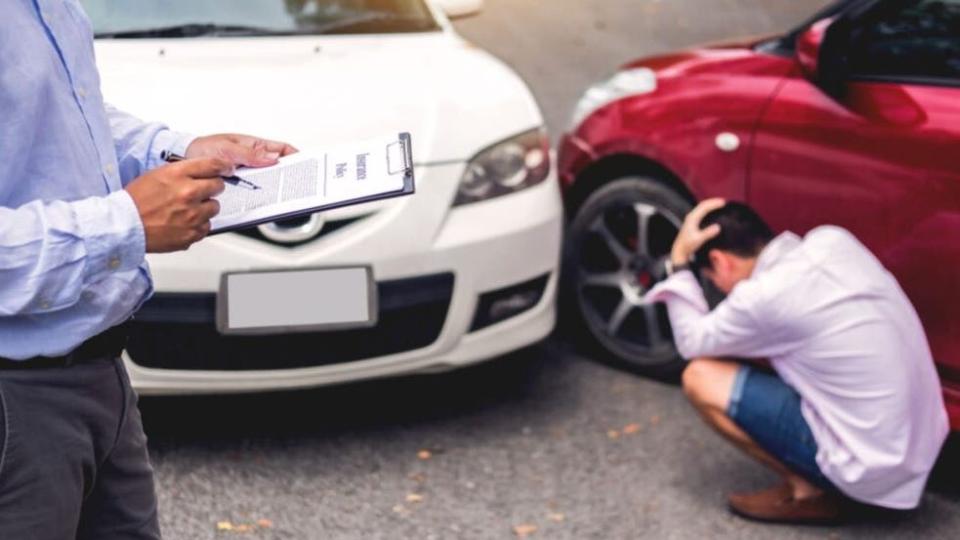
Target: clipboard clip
[{"x": 398, "y": 153}]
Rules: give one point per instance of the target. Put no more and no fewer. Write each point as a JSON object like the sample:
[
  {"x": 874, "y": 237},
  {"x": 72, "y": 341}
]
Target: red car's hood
[{"x": 725, "y": 57}]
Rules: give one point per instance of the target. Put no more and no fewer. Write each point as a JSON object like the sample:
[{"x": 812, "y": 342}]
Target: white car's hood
[{"x": 313, "y": 91}]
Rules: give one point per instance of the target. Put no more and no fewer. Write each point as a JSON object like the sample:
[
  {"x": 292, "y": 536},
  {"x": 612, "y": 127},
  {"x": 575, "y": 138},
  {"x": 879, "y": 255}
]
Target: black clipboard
[{"x": 404, "y": 160}]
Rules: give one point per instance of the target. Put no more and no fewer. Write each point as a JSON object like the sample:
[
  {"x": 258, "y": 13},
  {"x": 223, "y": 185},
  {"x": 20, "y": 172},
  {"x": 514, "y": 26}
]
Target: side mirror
[
  {"x": 808, "y": 47},
  {"x": 460, "y": 8},
  {"x": 821, "y": 57}
]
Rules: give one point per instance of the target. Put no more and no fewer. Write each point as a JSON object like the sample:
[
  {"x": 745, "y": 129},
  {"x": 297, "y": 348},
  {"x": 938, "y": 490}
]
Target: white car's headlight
[
  {"x": 628, "y": 82},
  {"x": 506, "y": 167}
]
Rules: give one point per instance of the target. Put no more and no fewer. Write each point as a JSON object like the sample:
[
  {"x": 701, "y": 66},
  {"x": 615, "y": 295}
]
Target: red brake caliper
[{"x": 643, "y": 278}]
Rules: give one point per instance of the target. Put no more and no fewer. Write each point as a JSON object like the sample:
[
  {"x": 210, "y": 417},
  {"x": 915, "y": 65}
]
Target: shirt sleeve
[
  {"x": 735, "y": 328},
  {"x": 139, "y": 144},
  {"x": 50, "y": 251}
]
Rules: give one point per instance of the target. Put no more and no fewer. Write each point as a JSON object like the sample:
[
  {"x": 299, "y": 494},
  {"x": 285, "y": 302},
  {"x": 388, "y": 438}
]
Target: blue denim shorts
[{"x": 768, "y": 410}]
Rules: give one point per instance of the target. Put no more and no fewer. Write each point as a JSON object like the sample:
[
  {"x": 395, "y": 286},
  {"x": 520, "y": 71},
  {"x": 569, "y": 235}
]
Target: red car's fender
[{"x": 699, "y": 96}]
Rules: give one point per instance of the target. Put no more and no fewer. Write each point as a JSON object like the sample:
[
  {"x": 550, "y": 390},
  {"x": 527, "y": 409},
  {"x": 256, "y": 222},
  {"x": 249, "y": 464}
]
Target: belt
[{"x": 107, "y": 345}]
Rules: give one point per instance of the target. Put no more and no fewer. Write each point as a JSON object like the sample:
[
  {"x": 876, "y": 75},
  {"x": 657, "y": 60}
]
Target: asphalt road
[{"x": 543, "y": 438}]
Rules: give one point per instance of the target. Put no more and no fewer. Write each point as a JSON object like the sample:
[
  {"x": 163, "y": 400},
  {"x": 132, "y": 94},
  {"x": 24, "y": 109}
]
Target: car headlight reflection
[
  {"x": 629, "y": 82},
  {"x": 506, "y": 167}
]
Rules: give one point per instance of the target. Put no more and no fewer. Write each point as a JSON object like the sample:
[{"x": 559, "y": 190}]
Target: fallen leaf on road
[
  {"x": 414, "y": 498},
  {"x": 524, "y": 530},
  {"x": 654, "y": 420},
  {"x": 630, "y": 429},
  {"x": 418, "y": 478},
  {"x": 556, "y": 516},
  {"x": 620, "y": 388},
  {"x": 424, "y": 454},
  {"x": 613, "y": 434},
  {"x": 243, "y": 528}
]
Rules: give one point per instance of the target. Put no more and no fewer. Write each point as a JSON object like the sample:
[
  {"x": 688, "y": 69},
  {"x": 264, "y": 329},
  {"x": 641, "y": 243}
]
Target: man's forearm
[
  {"x": 730, "y": 329},
  {"x": 686, "y": 306},
  {"x": 139, "y": 144},
  {"x": 49, "y": 251}
]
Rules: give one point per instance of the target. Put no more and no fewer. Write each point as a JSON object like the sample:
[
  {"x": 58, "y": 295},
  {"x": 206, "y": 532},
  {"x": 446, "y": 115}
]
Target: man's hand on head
[
  {"x": 691, "y": 236},
  {"x": 241, "y": 150}
]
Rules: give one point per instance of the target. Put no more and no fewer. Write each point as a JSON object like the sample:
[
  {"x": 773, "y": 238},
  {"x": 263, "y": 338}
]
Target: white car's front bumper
[{"x": 485, "y": 246}]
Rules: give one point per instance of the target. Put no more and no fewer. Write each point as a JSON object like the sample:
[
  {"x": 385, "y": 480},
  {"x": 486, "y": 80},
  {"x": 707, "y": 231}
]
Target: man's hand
[
  {"x": 691, "y": 236},
  {"x": 239, "y": 149},
  {"x": 176, "y": 203}
]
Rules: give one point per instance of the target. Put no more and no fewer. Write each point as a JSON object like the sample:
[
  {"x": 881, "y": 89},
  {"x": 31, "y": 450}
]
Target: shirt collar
[{"x": 776, "y": 249}]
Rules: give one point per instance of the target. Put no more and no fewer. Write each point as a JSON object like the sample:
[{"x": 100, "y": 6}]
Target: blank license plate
[{"x": 302, "y": 300}]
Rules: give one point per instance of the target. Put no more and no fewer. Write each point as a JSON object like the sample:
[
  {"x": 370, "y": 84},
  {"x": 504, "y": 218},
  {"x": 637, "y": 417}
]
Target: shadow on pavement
[
  {"x": 945, "y": 479},
  {"x": 506, "y": 383}
]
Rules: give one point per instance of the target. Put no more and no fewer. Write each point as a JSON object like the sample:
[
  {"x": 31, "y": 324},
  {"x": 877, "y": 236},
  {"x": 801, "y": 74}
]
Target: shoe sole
[{"x": 817, "y": 522}]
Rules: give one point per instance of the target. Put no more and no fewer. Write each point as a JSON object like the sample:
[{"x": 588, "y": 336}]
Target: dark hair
[{"x": 742, "y": 232}]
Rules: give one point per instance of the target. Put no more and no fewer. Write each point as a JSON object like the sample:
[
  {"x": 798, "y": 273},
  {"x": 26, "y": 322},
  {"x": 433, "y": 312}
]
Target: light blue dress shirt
[{"x": 71, "y": 241}]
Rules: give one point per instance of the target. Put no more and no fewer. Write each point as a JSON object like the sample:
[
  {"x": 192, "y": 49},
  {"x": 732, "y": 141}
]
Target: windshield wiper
[
  {"x": 372, "y": 19},
  {"x": 197, "y": 30}
]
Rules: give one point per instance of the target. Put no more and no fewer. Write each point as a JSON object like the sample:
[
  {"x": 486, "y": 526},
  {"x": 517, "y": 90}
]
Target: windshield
[{"x": 190, "y": 18}]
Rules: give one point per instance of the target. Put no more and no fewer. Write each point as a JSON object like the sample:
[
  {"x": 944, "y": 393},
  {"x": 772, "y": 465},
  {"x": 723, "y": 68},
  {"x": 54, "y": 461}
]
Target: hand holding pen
[
  {"x": 176, "y": 203},
  {"x": 233, "y": 180}
]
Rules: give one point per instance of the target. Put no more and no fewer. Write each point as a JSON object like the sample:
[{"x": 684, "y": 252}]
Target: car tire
[{"x": 601, "y": 291}]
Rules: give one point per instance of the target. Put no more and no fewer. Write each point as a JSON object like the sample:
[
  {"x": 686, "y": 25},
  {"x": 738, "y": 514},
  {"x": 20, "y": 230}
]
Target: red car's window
[{"x": 909, "y": 39}]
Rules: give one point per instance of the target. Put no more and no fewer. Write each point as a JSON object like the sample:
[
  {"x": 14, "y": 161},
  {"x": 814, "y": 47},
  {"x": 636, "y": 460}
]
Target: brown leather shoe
[{"x": 777, "y": 505}]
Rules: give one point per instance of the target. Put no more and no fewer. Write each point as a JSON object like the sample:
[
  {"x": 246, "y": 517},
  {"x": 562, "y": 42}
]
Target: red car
[{"x": 852, "y": 119}]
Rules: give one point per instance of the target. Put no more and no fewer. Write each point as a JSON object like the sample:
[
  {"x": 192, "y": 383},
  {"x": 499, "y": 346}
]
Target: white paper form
[{"x": 311, "y": 180}]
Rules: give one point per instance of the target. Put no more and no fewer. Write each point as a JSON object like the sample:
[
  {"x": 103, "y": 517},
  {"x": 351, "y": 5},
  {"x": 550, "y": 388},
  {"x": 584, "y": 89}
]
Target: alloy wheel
[{"x": 619, "y": 256}]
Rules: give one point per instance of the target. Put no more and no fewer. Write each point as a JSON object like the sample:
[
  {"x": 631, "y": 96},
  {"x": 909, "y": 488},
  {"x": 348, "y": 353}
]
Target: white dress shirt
[{"x": 837, "y": 327}]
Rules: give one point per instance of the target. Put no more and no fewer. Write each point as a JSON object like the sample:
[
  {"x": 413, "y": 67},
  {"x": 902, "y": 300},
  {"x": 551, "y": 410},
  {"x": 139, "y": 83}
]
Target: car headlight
[
  {"x": 628, "y": 82},
  {"x": 506, "y": 167}
]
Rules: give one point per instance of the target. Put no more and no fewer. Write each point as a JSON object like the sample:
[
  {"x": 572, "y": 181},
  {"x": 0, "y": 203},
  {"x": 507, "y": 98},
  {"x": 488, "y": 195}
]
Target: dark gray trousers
[{"x": 73, "y": 456}]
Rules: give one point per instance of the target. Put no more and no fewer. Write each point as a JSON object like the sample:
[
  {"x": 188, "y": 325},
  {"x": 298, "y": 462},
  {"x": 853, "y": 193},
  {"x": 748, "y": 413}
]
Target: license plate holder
[{"x": 296, "y": 300}]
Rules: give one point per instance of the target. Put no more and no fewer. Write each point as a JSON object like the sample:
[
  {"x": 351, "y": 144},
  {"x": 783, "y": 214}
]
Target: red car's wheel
[{"x": 616, "y": 248}]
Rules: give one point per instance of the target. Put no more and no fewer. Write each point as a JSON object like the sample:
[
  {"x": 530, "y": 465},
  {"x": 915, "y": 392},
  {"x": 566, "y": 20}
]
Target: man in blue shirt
[{"x": 84, "y": 195}]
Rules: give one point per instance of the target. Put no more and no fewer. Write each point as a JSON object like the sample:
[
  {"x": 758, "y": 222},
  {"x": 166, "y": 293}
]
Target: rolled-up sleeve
[
  {"x": 50, "y": 251},
  {"x": 735, "y": 328},
  {"x": 139, "y": 144}
]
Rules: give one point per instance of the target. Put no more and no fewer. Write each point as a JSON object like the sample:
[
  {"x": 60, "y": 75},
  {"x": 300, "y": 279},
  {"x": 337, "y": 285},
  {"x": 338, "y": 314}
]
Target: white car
[{"x": 466, "y": 268}]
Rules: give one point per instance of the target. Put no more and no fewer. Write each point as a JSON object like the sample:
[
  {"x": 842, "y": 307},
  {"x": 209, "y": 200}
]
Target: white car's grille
[{"x": 329, "y": 227}]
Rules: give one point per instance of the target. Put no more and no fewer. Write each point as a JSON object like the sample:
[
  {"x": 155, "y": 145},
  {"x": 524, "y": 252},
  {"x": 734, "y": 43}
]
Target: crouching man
[{"x": 854, "y": 409}]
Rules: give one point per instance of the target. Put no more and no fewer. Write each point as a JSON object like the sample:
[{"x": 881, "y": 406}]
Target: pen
[{"x": 233, "y": 180}]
